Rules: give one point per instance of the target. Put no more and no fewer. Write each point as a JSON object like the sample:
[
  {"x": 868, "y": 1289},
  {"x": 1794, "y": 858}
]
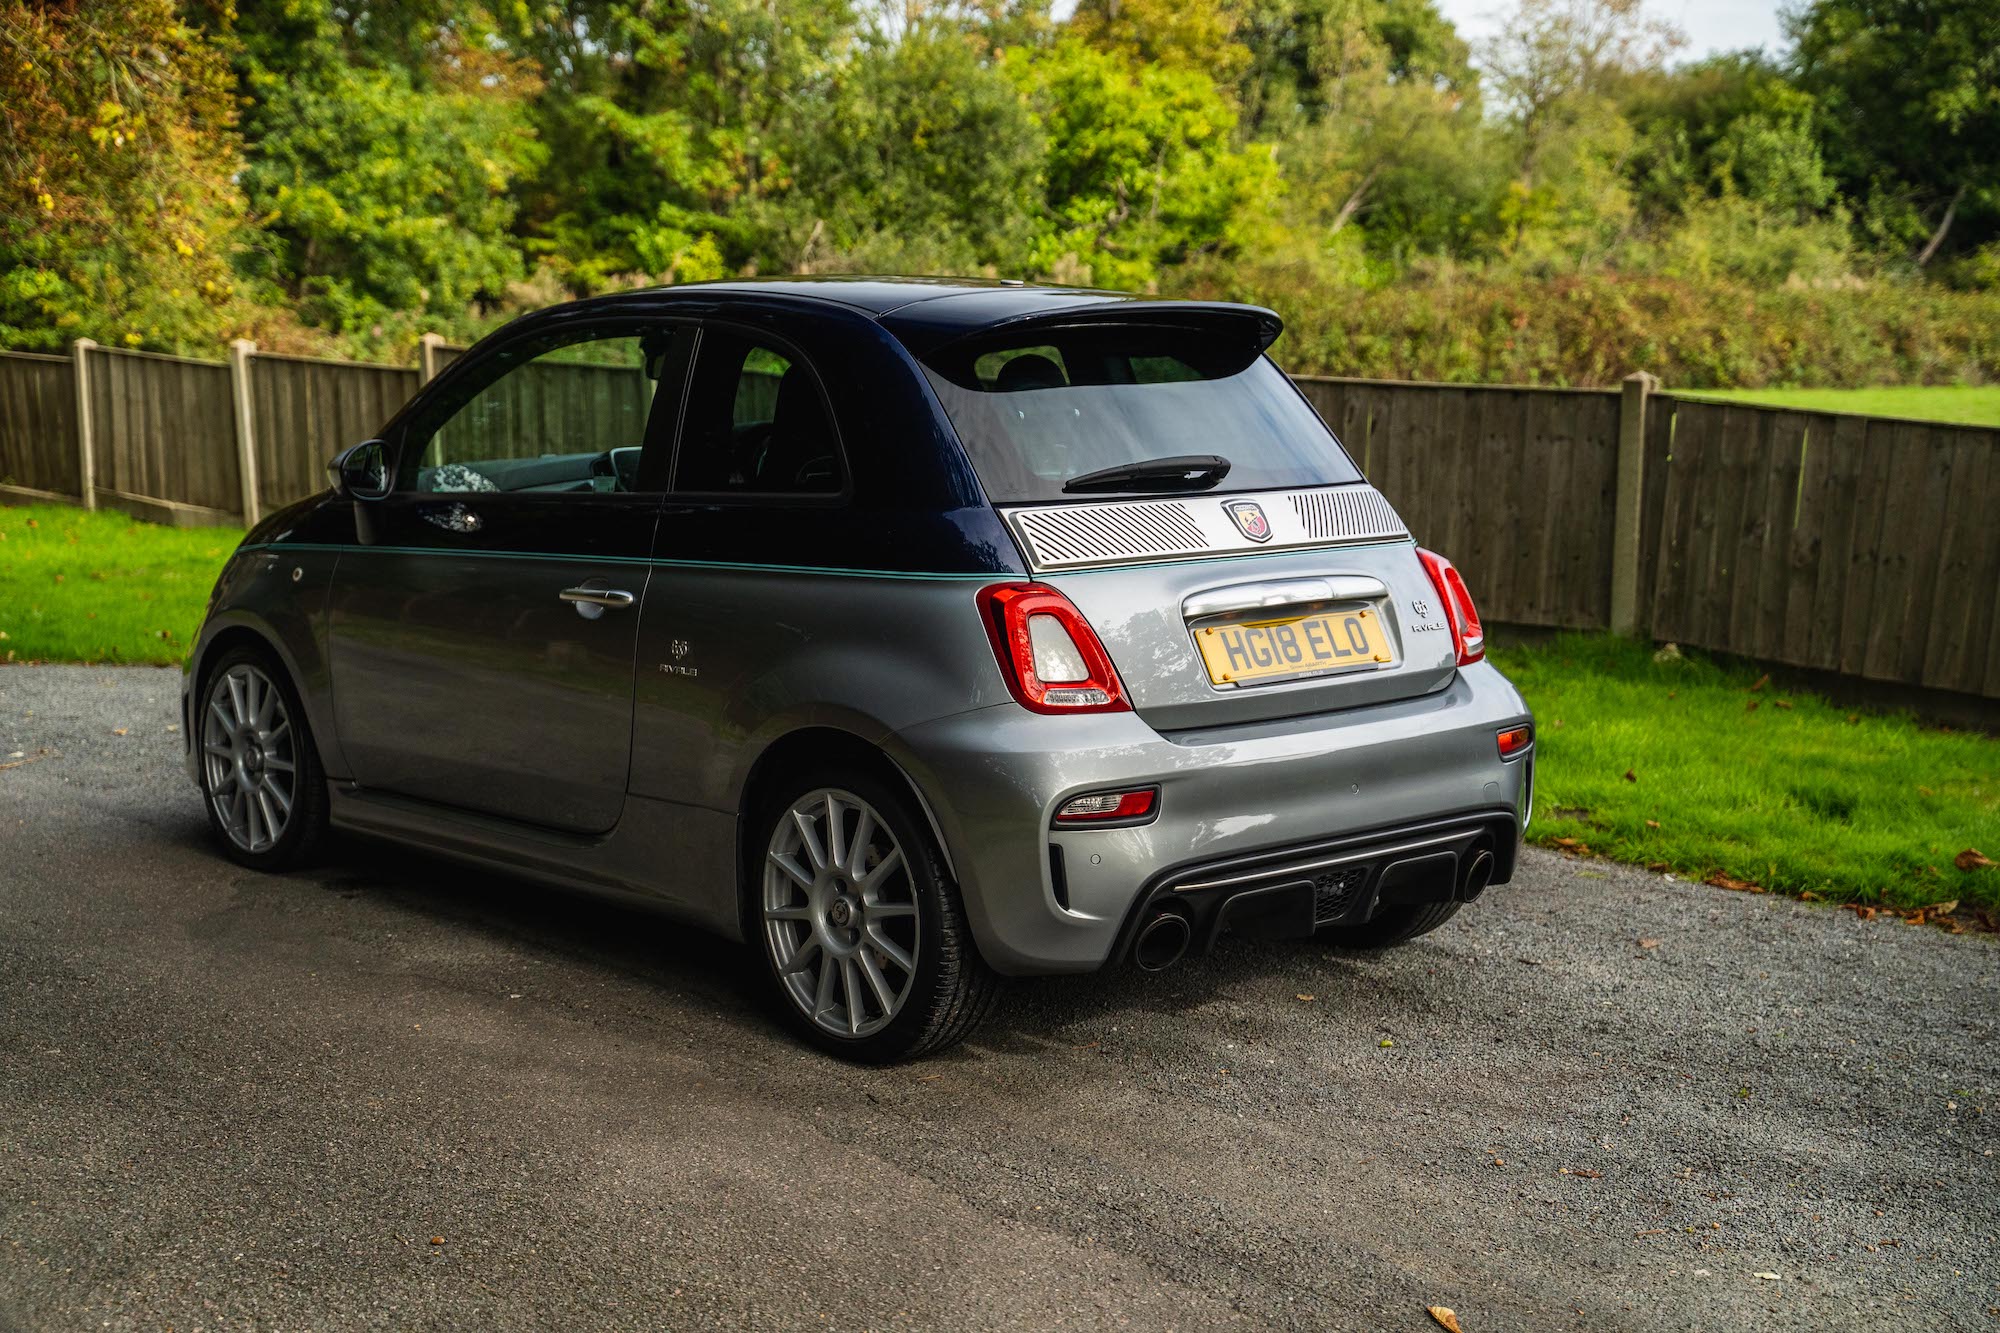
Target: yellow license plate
[{"x": 1267, "y": 650}]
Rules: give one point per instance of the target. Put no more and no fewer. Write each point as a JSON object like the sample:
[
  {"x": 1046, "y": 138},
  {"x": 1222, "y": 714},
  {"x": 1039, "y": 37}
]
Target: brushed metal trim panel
[{"x": 1120, "y": 532}]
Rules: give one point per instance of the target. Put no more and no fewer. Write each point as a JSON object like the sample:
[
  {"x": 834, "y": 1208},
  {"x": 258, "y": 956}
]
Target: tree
[
  {"x": 382, "y": 189},
  {"x": 931, "y": 159},
  {"x": 1909, "y": 97},
  {"x": 1142, "y": 169},
  {"x": 118, "y": 217}
]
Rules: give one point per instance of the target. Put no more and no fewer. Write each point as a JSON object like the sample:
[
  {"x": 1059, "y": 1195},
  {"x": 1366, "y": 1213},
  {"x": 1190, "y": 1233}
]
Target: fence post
[
  {"x": 86, "y": 453},
  {"x": 1638, "y": 387},
  {"x": 240, "y": 352},
  {"x": 427, "y": 355}
]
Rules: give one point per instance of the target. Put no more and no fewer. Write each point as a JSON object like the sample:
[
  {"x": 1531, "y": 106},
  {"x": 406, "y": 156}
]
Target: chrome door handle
[{"x": 614, "y": 599}]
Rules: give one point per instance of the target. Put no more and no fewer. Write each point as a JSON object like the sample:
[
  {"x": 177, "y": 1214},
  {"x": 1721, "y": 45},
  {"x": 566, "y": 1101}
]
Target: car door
[{"x": 483, "y": 625}]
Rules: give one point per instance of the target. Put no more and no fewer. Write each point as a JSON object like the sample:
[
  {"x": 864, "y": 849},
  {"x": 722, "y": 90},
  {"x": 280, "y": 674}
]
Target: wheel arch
[
  {"x": 241, "y": 631},
  {"x": 806, "y": 746}
]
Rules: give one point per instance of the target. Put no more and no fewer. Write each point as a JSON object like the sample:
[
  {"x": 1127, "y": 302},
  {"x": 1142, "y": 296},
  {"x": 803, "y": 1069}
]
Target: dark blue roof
[{"x": 927, "y": 312}]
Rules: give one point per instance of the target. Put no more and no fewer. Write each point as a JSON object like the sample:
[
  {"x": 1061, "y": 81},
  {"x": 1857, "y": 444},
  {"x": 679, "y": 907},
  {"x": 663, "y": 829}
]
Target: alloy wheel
[
  {"x": 840, "y": 913},
  {"x": 249, "y": 757}
]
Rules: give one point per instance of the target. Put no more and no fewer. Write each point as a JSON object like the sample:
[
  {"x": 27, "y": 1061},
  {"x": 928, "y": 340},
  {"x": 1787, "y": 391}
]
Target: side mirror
[{"x": 362, "y": 472}]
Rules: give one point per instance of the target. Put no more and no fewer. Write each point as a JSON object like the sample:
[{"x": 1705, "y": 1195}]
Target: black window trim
[
  {"x": 780, "y": 499},
  {"x": 660, "y": 436}
]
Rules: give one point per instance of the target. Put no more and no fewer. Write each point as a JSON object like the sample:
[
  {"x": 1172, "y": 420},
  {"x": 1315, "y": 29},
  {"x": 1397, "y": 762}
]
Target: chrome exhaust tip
[
  {"x": 1478, "y": 874},
  {"x": 1162, "y": 942}
]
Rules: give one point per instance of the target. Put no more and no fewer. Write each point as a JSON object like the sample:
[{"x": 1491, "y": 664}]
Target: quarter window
[
  {"x": 566, "y": 418},
  {"x": 756, "y": 422}
]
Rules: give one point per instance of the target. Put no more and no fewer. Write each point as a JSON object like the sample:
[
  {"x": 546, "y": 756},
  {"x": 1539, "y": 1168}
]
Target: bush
[{"x": 1596, "y": 328}]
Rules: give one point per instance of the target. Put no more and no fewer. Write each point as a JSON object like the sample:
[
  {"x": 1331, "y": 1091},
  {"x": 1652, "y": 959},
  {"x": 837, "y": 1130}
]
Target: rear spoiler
[{"x": 925, "y": 328}]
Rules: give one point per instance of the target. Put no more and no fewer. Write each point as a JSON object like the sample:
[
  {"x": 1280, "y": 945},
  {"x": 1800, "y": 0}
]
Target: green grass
[
  {"x": 1787, "y": 792},
  {"x": 1795, "y": 795},
  {"x": 1974, "y": 406},
  {"x": 78, "y": 586}
]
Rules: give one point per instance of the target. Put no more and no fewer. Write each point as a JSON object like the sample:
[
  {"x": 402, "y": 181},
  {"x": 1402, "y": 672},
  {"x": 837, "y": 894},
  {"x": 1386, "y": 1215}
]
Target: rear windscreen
[{"x": 1038, "y": 407}]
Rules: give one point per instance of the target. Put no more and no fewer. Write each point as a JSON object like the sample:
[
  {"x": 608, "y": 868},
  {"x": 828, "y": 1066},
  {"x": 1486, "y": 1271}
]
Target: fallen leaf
[
  {"x": 1972, "y": 859},
  {"x": 1583, "y": 1171},
  {"x": 1770, "y": 1277},
  {"x": 437, "y": 1240},
  {"x": 1945, "y": 908},
  {"x": 121, "y": 731},
  {"x": 1808, "y": 896},
  {"x": 1865, "y": 913},
  {"x": 1656, "y": 1231},
  {"x": 1304, "y": 999},
  {"x": 1925, "y": 791},
  {"x": 1750, "y": 707},
  {"x": 1785, "y": 704},
  {"x": 1386, "y": 1043},
  {"x": 1722, "y": 881},
  {"x": 1762, "y": 681},
  {"x": 1649, "y": 943},
  {"x": 1652, "y": 823},
  {"x": 1445, "y": 1317},
  {"x": 1657, "y": 866},
  {"x": 1630, "y": 776},
  {"x": 1567, "y": 844}
]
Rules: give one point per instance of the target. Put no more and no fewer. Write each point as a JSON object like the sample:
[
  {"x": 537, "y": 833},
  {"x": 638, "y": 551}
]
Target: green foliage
[
  {"x": 382, "y": 192},
  {"x": 1141, "y": 167},
  {"x": 334, "y": 175},
  {"x": 929, "y": 161},
  {"x": 118, "y": 215},
  {"x": 1909, "y": 94},
  {"x": 1850, "y": 806},
  {"x": 1595, "y": 328},
  {"x": 77, "y": 586}
]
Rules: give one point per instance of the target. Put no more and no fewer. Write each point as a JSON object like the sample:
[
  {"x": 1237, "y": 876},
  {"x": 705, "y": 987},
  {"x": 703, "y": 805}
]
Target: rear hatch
[{"x": 1166, "y": 477}]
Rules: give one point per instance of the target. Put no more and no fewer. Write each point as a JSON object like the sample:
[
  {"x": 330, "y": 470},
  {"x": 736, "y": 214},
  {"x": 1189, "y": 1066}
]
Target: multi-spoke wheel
[
  {"x": 259, "y": 771},
  {"x": 861, "y": 930}
]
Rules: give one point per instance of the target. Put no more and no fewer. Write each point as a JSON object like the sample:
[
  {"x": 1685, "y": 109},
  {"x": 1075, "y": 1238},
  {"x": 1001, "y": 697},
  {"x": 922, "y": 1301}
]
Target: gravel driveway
[{"x": 393, "y": 1093}]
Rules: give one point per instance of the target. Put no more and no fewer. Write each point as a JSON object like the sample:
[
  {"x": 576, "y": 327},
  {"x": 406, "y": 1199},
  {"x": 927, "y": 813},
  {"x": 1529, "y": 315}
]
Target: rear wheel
[
  {"x": 863, "y": 934},
  {"x": 1391, "y": 926},
  {"x": 260, "y": 774}
]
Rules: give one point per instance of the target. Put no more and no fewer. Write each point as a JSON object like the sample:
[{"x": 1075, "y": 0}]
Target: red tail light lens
[
  {"x": 1514, "y": 740},
  {"x": 1051, "y": 657},
  {"x": 1467, "y": 634},
  {"x": 1111, "y": 807}
]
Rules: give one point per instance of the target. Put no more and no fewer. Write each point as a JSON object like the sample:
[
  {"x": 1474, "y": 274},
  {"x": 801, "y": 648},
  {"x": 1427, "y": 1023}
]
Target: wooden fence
[{"x": 1866, "y": 546}]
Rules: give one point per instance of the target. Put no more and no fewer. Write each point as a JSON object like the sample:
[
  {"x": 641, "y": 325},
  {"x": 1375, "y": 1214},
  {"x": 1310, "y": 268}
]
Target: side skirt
[{"x": 671, "y": 858}]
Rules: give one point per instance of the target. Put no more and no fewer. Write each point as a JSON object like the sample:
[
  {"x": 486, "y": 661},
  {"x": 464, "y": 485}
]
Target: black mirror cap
[{"x": 361, "y": 472}]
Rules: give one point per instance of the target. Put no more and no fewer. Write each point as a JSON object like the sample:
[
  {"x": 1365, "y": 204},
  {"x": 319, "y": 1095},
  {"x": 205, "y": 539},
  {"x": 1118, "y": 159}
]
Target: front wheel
[
  {"x": 863, "y": 934},
  {"x": 260, "y": 773}
]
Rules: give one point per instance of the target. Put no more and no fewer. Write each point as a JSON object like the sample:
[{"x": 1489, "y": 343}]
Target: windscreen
[{"x": 1042, "y": 407}]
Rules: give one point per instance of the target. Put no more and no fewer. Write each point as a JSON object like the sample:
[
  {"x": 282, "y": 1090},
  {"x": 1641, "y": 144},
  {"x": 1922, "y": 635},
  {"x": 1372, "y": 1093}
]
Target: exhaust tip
[
  {"x": 1478, "y": 874},
  {"x": 1162, "y": 942}
]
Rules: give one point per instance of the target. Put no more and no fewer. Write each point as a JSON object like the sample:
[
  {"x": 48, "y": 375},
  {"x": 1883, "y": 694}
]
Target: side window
[
  {"x": 756, "y": 422},
  {"x": 562, "y": 416}
]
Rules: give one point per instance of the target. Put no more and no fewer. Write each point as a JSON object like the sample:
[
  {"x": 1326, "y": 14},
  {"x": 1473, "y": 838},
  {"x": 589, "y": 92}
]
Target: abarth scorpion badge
[{"x": 1249, "y": 518}]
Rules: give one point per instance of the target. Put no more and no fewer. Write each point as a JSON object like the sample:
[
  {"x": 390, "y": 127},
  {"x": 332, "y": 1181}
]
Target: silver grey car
[{"x": 915, "y": 633}]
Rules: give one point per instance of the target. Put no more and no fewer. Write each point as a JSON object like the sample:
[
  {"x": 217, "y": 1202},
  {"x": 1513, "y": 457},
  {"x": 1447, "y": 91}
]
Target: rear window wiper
[{"x": 1189, "y": 472}]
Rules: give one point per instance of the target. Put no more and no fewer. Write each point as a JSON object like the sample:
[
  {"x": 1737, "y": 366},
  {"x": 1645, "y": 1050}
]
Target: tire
[
  {"x": 261, "y": 780},
  {"x": 1391, "y": 926},
  {"x": 863, "y": 938}
]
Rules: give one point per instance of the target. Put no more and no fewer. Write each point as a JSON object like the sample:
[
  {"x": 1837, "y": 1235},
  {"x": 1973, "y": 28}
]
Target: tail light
[
  {"x": 1467, "y": 635},
  {"x": 1109, "y": 807},
  {"x": 1051, "y": 657},
  {"x": 1514, "y": 740}
]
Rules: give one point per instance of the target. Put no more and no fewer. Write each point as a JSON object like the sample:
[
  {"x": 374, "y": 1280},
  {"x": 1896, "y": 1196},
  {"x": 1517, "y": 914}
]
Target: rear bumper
[{"x": 1062, "y": 900}]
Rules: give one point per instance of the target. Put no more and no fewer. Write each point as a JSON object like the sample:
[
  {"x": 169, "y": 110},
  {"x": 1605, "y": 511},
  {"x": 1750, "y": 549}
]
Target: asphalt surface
[{"x": 392, "y": 1093}]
